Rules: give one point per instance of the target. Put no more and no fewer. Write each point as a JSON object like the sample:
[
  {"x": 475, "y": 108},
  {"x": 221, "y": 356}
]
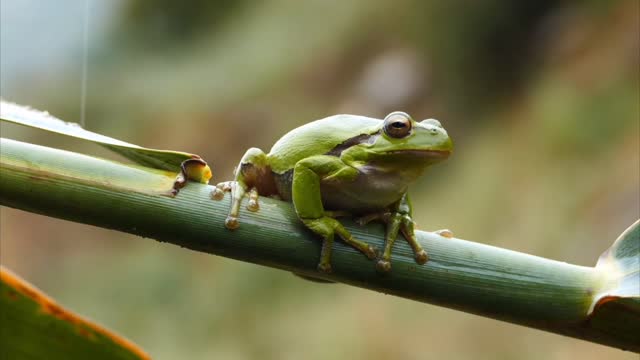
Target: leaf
[
  {"x": 191, "y": 165},
  {"x": 621, "y": 263},
  {"x": 616, "y": 306},
  {"x": 33, "y": 326}
]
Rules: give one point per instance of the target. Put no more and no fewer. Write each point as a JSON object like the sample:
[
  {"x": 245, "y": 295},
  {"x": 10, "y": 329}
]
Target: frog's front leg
[
  {"x": 308, "y": 174},
  {"x": 397, "y": 220},
  {"x": 252, "y": 175}
]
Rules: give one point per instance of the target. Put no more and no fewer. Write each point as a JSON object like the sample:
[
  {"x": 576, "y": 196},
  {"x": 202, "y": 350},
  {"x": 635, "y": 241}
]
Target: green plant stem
[{"x": 463, "y": 275}]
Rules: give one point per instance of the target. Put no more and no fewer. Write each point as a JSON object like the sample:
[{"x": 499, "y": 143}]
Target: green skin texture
[{"x": 344, "y": 165}]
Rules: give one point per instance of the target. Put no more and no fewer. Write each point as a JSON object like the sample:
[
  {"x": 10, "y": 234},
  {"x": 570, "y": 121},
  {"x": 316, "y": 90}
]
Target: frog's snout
[{"x": 448, "y": 144}]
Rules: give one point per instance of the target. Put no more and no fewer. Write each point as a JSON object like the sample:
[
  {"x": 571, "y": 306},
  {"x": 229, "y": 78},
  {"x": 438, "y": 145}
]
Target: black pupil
[{"x": 398, "y": 125}]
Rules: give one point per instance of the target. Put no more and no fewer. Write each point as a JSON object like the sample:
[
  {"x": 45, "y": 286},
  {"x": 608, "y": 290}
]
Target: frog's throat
[{"x": 424, "y": 154}]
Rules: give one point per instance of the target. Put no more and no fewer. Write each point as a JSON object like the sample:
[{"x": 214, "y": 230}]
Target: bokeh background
[{"x": 541, "y": 98}]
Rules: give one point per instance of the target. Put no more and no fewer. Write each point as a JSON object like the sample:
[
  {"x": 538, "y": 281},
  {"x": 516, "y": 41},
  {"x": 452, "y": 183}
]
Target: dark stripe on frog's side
[
  {"x": 360, "y": 139},
  {"x": 285, "y": 180}
]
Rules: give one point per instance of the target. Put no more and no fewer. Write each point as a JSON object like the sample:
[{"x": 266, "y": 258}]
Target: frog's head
[{"x": 409, "y": 141}]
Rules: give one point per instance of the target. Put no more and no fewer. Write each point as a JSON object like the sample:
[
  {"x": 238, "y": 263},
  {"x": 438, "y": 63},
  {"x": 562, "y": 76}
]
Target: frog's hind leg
[
  {"x": 252, "y": 175},
  {"x": 398, "y": 220},
  {"x": 307, "y": 200}
]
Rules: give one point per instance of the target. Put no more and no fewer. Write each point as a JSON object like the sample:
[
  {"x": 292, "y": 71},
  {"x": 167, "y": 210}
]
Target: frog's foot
[
  {"x": 192, "y": 169},
  {"x": 238, "y": 192},
  {"x": 253, "y": 205},
  {"x": 218, "y": 192},
  {"x": 446, "y": 233},
  {"x": 396, "y": 222},
  {"x": 327, "y": 228}
]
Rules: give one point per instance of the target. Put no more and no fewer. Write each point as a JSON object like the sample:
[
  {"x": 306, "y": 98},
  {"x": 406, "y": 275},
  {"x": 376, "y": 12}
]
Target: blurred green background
[{"x": 541, "y": 98}]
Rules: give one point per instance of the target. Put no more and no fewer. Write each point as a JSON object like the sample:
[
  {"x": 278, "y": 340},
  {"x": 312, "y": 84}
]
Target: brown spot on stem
[
  {"x": 86, "y": 333},
  {"x": 12, "y": 295}
]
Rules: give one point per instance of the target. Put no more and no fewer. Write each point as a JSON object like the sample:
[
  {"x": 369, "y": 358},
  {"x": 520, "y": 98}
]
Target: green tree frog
[{"x": 344, "y": 165}]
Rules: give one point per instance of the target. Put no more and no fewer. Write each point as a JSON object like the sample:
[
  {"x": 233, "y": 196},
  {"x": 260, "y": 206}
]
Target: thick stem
[{"x": 463, "y": 275}]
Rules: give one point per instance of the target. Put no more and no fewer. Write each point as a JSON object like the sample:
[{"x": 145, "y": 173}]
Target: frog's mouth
[{"x": 423, "y": 154}]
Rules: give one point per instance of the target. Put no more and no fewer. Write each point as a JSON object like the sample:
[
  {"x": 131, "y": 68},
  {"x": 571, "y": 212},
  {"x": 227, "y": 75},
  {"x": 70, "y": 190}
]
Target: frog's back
[{"x": 318, "y": 138}]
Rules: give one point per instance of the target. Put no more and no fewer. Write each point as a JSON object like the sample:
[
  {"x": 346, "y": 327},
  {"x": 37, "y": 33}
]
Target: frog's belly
[
  {"x": 364, "y": 195},
  {"x": 369, "y": 192}
]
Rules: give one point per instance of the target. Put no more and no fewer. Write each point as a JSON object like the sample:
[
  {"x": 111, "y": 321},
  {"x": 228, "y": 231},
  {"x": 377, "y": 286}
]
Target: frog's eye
[{"x": 397, "y": 125}]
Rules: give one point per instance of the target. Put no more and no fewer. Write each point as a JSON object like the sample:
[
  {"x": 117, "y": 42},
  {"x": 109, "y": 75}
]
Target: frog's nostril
[{"x": 433, "y": 131}]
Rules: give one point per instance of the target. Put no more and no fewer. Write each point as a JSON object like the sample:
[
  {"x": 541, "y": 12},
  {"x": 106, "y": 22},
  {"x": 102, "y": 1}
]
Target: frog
[{"x": 344, "y": 165}]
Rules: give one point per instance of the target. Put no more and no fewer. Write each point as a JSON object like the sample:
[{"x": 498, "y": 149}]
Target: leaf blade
[
  {"x": 35, "y": 326},
  {"x": 160, "y": 159}
]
